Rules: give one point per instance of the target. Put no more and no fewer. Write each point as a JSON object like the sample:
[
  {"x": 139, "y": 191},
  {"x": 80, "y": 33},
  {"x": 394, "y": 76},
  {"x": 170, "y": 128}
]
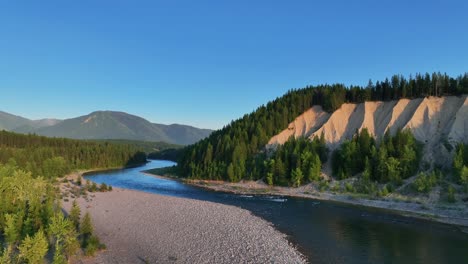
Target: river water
[{"x": 326, "y": 232}]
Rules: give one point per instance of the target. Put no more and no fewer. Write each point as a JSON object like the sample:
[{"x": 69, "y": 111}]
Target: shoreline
[
  {"x": 455, "y": 215},
  {"x": 144, "y": 227}
]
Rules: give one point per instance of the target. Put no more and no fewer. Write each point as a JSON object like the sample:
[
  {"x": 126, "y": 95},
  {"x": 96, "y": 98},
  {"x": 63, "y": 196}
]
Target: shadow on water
[{"x": 326, "y": 232}]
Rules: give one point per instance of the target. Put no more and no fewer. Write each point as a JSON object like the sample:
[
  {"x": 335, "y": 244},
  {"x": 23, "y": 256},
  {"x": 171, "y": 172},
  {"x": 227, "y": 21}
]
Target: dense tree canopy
[
  {"x": 53, "y": 157},
  {"x": 231, "y": 153},
  {"x": 394, "y": 159},
  {"x": 296, "y": 162}
]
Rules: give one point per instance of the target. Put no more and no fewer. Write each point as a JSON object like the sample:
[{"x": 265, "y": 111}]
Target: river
[{"x": 326, "y": 232}]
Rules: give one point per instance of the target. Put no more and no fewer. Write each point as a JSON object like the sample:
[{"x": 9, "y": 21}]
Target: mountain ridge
[{"x": 105, "y": 124}]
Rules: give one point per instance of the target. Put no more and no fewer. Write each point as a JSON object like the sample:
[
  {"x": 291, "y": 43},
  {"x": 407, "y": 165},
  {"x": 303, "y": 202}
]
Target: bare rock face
[{"x": 438, "y": 122}]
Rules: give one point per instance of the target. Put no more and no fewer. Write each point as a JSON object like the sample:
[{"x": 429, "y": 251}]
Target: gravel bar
[{"x": 140, "y": 227}]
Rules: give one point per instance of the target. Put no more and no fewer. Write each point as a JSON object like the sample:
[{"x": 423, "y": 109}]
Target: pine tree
[
  {"x": 86, "y": 226},
  {"x": 75, "y": 214},
  {"x": 34, "y": 249},
  {"x": 11, "y": 231},
  {"x": 296, "y": 177}
]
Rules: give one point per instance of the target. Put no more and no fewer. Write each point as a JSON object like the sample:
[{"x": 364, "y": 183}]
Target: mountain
[
  {"x": 33, "y": 125},
  {"x": 23, "y": 125},
  {"x": 105, "y": 125},
  {"x": 183, "y": 134},
  {"x": 9, "y": 121}
]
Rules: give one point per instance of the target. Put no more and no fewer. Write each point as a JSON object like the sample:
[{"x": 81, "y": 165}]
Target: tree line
[
  {"x": 232, "y": 153},
  {"x": 54, "y": 157}
]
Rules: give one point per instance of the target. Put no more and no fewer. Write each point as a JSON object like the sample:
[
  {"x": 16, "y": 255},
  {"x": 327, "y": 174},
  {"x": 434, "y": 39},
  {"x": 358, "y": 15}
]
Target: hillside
[
  {"x": 23, "y": 125},
  {"x": 434, "y": 121},
  {"x": 425, "y": 104},
  {"x": 105, "y": 125},
  {"x": 9, "y": 121}
]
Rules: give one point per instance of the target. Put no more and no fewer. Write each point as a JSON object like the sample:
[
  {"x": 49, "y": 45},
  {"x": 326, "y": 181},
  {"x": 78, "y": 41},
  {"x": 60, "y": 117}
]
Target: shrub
[
  {"x": 323, "y": 186},
  {"x": 424, "y": 183},
  {"x": 349, "y": 187},
  {"x": 92, "y": 245},
  {"x": 103, "y": 187}
]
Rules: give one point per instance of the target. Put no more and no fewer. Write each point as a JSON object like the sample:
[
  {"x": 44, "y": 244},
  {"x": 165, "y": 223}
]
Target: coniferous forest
[
  {"x": 237, "y": 151},
  {"x": 54, "y": 157},
  {"x": 32, "y": 224}
]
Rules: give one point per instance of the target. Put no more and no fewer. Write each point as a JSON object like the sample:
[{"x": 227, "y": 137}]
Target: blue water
[{"x": 326, "y": 232}]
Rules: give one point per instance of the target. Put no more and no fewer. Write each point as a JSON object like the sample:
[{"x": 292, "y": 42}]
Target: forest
[
  {"x": 235, "y": 152},
  {"x": 32, "y": 224},
  {"x": 296, "y": 162},
  {"x": 394, "y": 159},
  {"x": 54, "y": 157}
]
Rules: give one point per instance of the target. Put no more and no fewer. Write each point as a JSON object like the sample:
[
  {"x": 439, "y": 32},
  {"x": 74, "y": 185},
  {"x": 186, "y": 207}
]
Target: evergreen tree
[
  {"x": 86, "y": 226},
  {"x": 75, "y": 213},
  {"x": 296, "y": 177},
  {"x": 34, "y": 249}
]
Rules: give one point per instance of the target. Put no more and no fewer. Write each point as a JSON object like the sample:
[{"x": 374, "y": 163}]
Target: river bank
[
  {"x": 139, "y": 227},
  {"x": 456, "y": 215}
]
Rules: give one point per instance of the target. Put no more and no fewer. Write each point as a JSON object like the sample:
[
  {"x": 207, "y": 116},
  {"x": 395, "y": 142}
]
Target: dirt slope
[{"x": 436, "y": 121}]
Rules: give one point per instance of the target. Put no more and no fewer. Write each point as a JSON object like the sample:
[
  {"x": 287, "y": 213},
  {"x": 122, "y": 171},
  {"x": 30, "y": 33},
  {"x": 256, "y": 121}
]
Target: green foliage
[
  {"x": 172, "y": 154},
  {"x": 384, "y": 191},
  {"x": 103, "y": 187},
  {"x": 92, "y": 187},
  {"x": 27, "y": 207},
  {"x": 75, "y": 214},
  {"x": 425, "y": 182},
  {"x": 86, "y": 226},
  {"x": 59, "y": 257},
  {"x": 297, "y": 177},
  {"x": 252, "y": 132},
  {"x": 293, "y": 163},
  {"x": 93, "y": 244},
  {"x": 269, "y": 178},
  {"x": 146, "y": 146},
  {"x": 29, "y": 203},
  {"x": 11, "y": 231},
  {"x": 7, "y": 256},
  {"x": 62, "y": 231},
  {"x": 396, "y": 158},
  {"x": 33, "y": 249},
  {"x": 90, "y": 242},
  {"x": 460, "y": 164},
  {"x": 349, "y": 187},
  {"x": 323, "y": 186},
  {"x": 53, "y": 157}
]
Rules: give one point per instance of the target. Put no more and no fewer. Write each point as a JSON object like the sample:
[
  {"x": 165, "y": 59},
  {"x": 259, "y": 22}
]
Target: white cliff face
[{"x": 434, "y": 121}]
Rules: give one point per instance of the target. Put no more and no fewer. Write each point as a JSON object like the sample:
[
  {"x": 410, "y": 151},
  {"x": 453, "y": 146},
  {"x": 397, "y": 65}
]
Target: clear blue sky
[{"x": 205, "y": 63}]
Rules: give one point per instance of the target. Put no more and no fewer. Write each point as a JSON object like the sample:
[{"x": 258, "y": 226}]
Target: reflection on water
[{"x": 326, "y": 232}]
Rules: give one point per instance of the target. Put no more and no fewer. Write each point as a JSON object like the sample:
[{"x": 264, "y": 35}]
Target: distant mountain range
[{"x": 105, "y": 125}]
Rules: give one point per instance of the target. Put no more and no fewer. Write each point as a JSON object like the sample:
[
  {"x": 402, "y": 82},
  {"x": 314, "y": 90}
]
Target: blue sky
[{"x": 205, "y": 63}]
